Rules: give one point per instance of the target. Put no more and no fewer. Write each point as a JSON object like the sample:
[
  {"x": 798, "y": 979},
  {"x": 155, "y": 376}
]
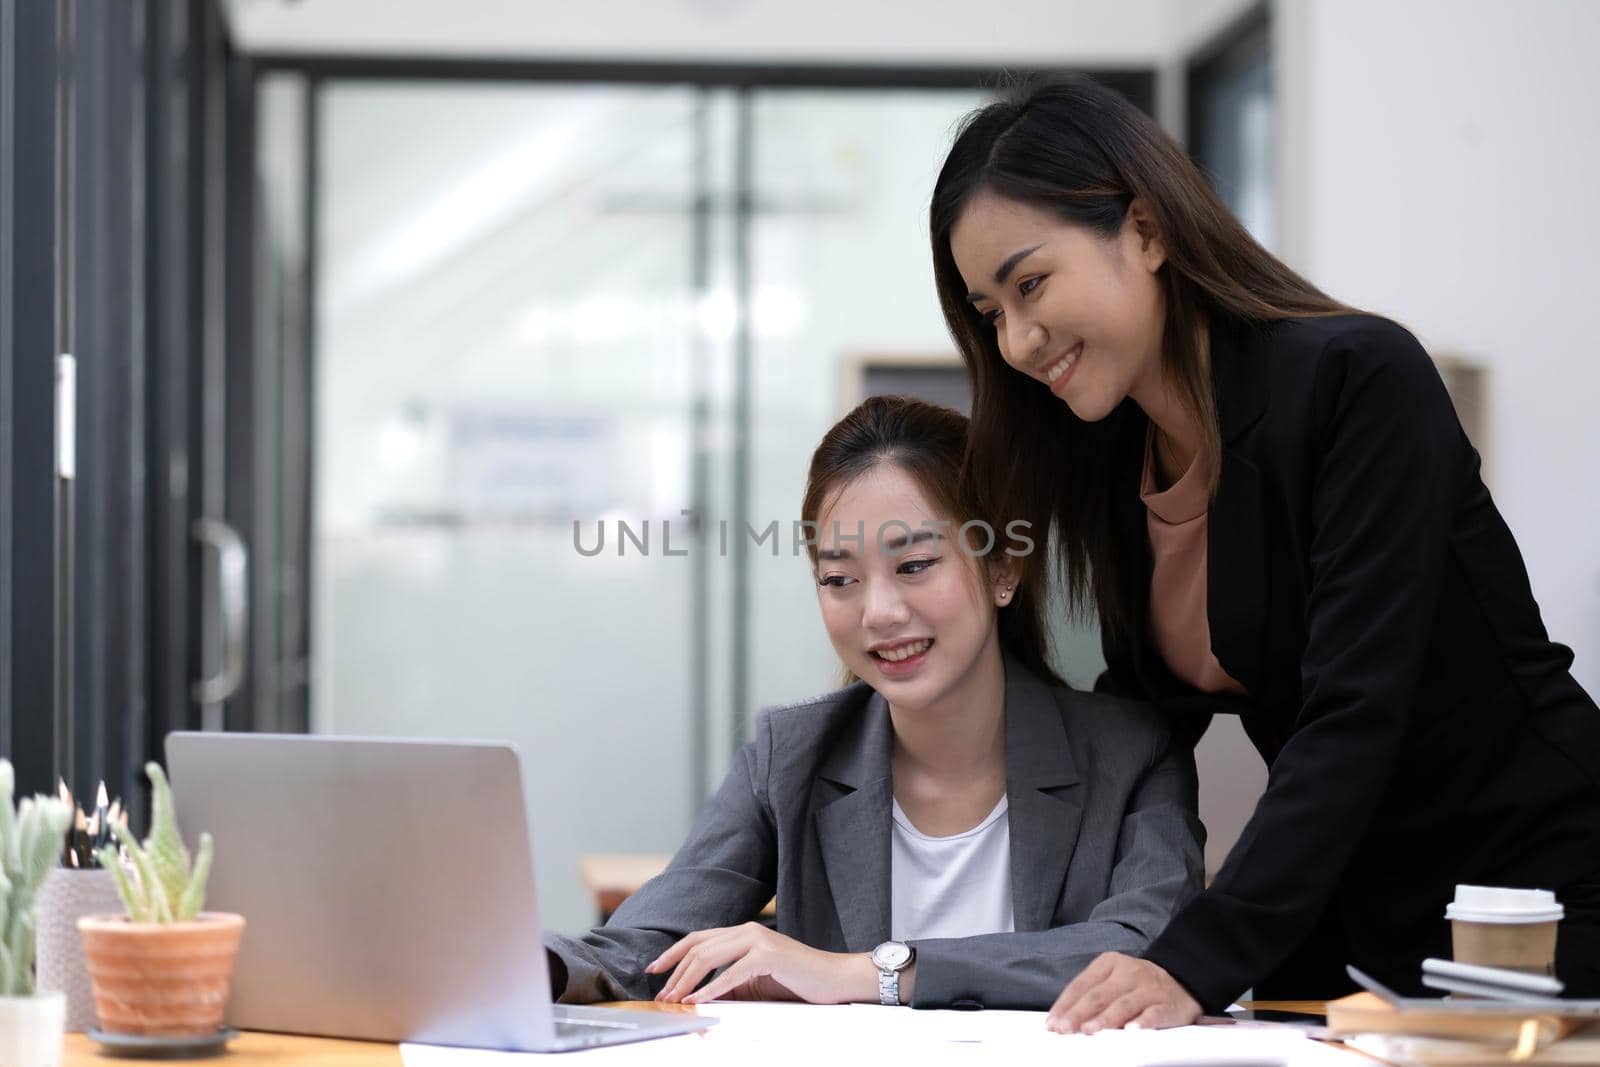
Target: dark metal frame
[
  {"x": 199, "y": 180},
  {"x": 1241, "y": 41},
  {"x": 236, "y": 96},
  {"x": 66, "y": 304},
  {"x": 1138, "y": 85},
  {"x": 700, "y": 460},
  {"x": 104, "y": 530},
  {"x": 744, "y": 183},
  {"x": 28, "y": 605},
  {"x": 173, "y": 331},
  {"x": 308, "y": 369},
  {"x": 102, "y": 157}
]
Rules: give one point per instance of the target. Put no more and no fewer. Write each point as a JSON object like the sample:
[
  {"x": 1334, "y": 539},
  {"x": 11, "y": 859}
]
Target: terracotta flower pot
[{"x": 167, "y": 979}]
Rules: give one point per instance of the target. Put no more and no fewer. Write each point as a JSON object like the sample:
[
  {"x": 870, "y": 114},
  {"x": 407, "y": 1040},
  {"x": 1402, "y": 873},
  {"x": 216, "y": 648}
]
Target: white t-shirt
[{"x": 953, "y": 886}]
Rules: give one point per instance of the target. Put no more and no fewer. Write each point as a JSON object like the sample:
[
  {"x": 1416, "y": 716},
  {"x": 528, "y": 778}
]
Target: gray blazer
[{"x": 1105, "y": 847}]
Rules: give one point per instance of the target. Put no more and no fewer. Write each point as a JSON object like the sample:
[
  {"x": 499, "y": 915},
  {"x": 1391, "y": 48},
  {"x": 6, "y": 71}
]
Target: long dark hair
[
  {"x": 1075, "y": 148},
  {"x": 929, "y": 443}
]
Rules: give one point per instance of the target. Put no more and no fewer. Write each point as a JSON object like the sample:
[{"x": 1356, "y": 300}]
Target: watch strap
[{"x": 889, "y": 987}]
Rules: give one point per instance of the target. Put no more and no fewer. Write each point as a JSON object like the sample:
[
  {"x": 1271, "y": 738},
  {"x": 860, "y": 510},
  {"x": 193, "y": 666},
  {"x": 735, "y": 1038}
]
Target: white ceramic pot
[{"x": 33, "y": 1029}]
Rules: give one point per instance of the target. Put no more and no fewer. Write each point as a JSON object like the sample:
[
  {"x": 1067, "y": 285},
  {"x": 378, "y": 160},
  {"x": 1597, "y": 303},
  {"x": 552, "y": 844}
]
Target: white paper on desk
[{"x": 754, "y": 1033}]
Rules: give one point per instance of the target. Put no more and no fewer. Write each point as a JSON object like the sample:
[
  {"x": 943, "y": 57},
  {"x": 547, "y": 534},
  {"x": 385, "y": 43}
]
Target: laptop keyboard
[
  {"x": 584, "y": 1026},
  {"x": 573, "y": 1027}
]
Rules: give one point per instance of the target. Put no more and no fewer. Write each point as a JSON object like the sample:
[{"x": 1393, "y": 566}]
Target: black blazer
[{"x": 1420, "y": 727}]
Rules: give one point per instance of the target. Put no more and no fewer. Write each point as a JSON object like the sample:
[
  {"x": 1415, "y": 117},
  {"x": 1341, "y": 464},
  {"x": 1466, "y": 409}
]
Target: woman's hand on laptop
[{"x": 762, "y": 965}]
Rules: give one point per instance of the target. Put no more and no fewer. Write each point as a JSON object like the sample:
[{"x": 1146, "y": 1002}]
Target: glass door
[{"x": 505, "y": 376}]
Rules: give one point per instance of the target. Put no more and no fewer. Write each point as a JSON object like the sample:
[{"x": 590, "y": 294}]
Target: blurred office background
[{"x": 322, "y": 322}]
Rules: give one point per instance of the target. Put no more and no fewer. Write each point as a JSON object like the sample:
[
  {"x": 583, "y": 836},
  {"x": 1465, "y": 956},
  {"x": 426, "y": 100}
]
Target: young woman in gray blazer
[{"x": 956, "y": 827}]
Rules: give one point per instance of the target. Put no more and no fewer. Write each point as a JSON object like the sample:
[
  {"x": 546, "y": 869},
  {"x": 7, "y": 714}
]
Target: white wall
[
  {"x": 1136, "y": 32},
  {"x": 1440, "y": 166}
]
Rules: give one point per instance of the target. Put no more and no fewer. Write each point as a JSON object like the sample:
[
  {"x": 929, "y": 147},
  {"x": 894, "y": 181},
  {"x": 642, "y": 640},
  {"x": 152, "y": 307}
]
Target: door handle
[{"x": 233, "y": 604}]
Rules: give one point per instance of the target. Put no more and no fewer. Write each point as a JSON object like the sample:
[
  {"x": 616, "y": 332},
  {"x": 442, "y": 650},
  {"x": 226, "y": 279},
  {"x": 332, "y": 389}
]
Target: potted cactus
[
  {"x": 31, "y": 1025},
  {"x": 163, "y": 968}
]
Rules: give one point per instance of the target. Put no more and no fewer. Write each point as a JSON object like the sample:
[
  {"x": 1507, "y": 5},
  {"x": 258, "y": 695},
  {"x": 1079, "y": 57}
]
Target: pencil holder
[{"x": 66, "y": 896}]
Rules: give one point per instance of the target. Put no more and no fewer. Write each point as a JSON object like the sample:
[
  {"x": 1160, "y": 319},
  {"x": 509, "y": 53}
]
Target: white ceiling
[{"x": 1088, "y": 33}]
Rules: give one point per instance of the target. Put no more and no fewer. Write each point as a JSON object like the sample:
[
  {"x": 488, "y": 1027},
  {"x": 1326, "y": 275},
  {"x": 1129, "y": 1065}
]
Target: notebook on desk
[
  {"x": 1506, "y": 1003},
  {"x": 387, "y": 889}
]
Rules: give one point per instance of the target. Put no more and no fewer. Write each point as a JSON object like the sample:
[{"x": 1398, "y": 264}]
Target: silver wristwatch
[{"x": 891, "y": 958}]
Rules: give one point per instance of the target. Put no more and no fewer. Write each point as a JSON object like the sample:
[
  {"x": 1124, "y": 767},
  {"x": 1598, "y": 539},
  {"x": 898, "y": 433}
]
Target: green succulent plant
[
  {"x": 161, "y": 888},
  {"x": 30, "y": 843}
]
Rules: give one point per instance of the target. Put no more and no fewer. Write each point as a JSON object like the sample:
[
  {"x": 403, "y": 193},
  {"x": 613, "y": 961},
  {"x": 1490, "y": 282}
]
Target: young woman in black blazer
[{"x": 1356, "y": 597}]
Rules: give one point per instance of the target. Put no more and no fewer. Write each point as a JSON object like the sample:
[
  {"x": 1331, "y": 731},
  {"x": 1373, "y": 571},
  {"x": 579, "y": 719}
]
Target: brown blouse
[{"x": 1176, "y": 520}]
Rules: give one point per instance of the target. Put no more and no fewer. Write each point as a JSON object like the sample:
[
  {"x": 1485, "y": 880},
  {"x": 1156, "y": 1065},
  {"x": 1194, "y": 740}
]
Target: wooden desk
[
  {"x": 612, "y": 877},
  {"x": 1298, "y": 1007},
  {"x": 253, "y": 1048}
]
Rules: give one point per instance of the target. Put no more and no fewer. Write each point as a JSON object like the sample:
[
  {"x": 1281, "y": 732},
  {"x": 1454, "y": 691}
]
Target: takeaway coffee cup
[{"x": 1514, "y": 928}]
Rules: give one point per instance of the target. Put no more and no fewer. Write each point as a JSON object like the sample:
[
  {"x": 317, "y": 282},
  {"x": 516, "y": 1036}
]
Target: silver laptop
[{"x": 387, "y": 890}]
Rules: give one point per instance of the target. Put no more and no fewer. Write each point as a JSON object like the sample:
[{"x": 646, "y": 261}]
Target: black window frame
[{"x": 29, "y": 615}]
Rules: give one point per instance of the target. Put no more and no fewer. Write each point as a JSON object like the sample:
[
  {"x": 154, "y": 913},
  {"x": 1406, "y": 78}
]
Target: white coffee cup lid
[{"x": 1494, "y": 904}]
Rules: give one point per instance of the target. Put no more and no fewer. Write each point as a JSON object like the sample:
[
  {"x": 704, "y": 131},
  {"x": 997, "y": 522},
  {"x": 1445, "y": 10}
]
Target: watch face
[{"x": 891, "y": 956}]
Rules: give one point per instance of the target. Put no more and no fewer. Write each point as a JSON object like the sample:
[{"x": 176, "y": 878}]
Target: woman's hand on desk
[
  {"x": 762, "y": 965},
  {"x": 1116, "y": 991}
]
